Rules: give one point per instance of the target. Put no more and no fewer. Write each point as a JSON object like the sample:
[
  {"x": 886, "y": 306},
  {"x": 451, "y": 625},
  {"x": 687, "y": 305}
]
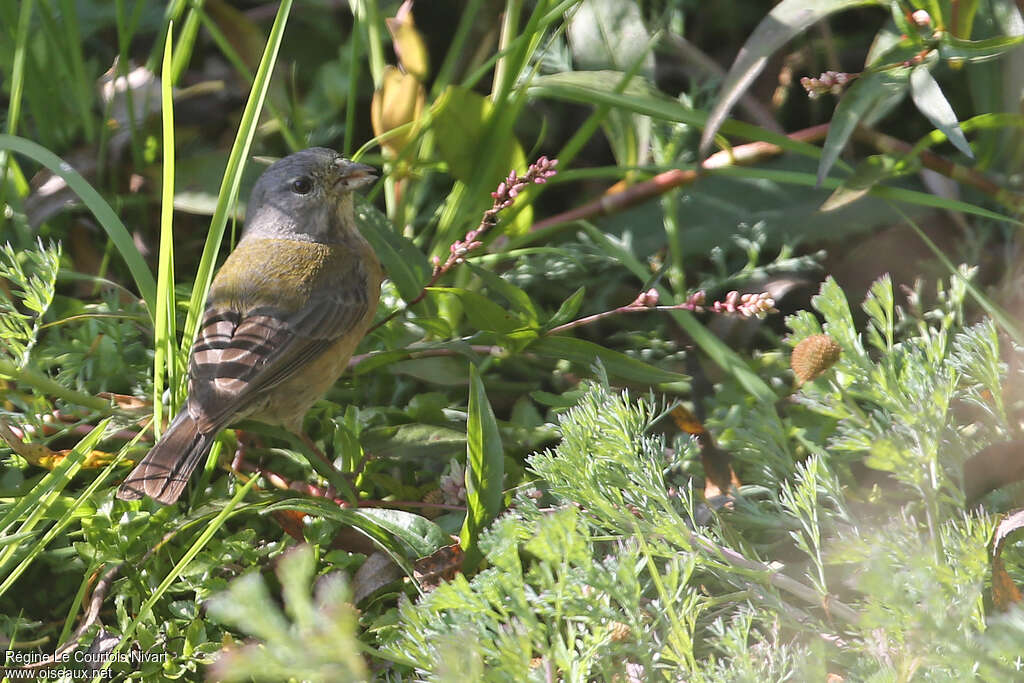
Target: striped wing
[{"x": 238, "y": 356}]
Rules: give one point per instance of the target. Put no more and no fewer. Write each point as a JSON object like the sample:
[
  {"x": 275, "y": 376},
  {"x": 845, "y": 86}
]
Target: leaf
[
  {"x": 518, "y": 298},
  {"x": 420, "y": 534},
  {"x": 865, "y": 93},
  {"x": 485, "y": 469},
  {"x": 869, "y": 172},
  {"x": 617, "y": 364},
  {"x": 568, "y": 310},
  {"x": 786, "y": 20},
  {"x": 383, "y": 358},
  {"x": 440, "y": 370},
  {"x": 933, "y": 104},
  {"x": 598, "y": 87},
  {"x": 395, "y": 534},
  {"x": 459, "y": 124},
  {"x": 405, "y": 265},
  {"x": 106, "y": 217},
  {"x": 609, "y": 34},
  {"x": 412, "y": 442},
  {"x": 483, "y": 313},
  {"x": 976, "y": 50}
]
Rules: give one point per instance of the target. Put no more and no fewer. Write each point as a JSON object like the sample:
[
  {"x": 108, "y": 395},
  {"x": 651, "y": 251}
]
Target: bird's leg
[{"x": 242, "y": 438}]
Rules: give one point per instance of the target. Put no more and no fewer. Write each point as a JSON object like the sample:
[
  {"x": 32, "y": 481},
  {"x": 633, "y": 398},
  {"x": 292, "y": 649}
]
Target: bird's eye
[{"x": 302, "y": 185}]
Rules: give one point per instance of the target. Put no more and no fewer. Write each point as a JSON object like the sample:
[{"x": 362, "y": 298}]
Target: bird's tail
[{"x": 165, "y": 470}]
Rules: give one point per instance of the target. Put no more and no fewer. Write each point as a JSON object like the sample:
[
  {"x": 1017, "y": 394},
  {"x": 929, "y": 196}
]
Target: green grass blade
[
  {"x": 40, "y": 499},
  {"x": 106, "y": 217},
  {"x": 233, "y": 175},
  {"x": 62, "y": 522},
  {"x": 165, "y": 343}
]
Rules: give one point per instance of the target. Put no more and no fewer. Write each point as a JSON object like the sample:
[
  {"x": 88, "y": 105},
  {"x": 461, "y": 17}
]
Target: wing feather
[{"x": 237, "y": 357}]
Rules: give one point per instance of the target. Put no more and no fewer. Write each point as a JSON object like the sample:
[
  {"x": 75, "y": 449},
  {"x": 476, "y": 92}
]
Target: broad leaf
[
  {"x": 482, "y": 313},
  {"x": 460, "y": 126},
  {"x": 933, "y": 104},
  {"x": 485, "y": 469},
  {"x": 617, "y": 364},
  {"x": 786, "y": 20},
  {"x": 403, "y": 262},
  {"x": 568, "y": 310},
  {"x": 516, "y": 297}
]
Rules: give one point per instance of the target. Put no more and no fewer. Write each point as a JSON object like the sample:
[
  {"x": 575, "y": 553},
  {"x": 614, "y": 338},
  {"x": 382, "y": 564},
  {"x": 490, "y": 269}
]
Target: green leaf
[
  {"x": 164, "y": 329},
  {"x": 439, "y": 370},
  {"x": 401, "y": 537},
  {"x": 933, "y": 104},
  {"x": 865, "y": 93},
  {"x": 786, "y": 20},
  {"x": 568, "y": 310},
  {"x": 405, "y": 265},
  {"x": 412, "y": 442},
  {"x": 617, "y": 364},
  {"x": 869, "y": 172},
  {"x": 485, "y": 469},
  {"x": 233, "y": 174},
  {"x": 483, "y": 313},
  {"x": 460, "y": 123},
  {"x": 598, "y": 88},
  {"x": 976, "y": 50},
  {"x": 609, "y": 34},
  {"x": 384, "y": 358},
  {"x": 518, "y": 298}
]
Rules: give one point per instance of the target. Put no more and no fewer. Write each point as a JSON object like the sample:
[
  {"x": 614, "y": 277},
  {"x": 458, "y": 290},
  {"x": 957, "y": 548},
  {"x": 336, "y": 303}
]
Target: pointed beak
[{"x": 352, "y": 175}]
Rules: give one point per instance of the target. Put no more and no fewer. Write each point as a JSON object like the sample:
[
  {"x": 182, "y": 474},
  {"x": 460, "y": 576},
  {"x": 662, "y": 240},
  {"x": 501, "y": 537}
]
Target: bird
[{"x": 283, "y": 315}]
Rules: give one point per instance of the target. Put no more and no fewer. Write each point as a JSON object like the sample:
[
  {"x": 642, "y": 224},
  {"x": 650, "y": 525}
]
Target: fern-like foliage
[{"x": 30, "y": 279}]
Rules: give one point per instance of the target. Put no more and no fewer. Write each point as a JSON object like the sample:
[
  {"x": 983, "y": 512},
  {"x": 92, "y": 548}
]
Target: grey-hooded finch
[{"x": 283, "y": 316}]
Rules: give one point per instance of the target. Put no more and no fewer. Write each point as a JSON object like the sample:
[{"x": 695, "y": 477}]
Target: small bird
[{"x": 283, "y": 316}]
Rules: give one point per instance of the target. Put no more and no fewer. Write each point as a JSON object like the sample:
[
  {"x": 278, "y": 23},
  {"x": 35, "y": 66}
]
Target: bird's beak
[{"x": 352, "y": 175}]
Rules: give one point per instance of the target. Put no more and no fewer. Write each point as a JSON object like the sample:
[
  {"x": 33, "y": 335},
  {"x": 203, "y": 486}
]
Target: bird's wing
[{"x": 237, "y": 356}]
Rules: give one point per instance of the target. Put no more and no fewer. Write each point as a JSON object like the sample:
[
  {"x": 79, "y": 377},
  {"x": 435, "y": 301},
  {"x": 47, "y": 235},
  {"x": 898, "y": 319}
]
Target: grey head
[{"x": 306, "y": 196}]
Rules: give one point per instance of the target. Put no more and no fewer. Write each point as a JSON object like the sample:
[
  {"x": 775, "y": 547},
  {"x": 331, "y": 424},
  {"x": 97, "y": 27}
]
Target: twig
[
  {"x": 663, "y": 182},
  {"x": 748, "y": 305}
]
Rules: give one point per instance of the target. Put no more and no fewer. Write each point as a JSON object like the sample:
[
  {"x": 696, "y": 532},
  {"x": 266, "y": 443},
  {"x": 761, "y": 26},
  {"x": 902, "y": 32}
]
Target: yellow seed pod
[
  {"x": 409, "y": 45},
  {"x": 813, "y": 356},
  {"x": 398, "y": 101}
]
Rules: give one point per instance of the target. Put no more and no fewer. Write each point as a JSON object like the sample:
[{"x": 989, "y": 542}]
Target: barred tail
[{"x": 165, "y": 470}]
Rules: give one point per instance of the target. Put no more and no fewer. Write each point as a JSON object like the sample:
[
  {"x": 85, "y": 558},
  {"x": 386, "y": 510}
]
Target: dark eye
[{"x": 302, "y": 185}]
